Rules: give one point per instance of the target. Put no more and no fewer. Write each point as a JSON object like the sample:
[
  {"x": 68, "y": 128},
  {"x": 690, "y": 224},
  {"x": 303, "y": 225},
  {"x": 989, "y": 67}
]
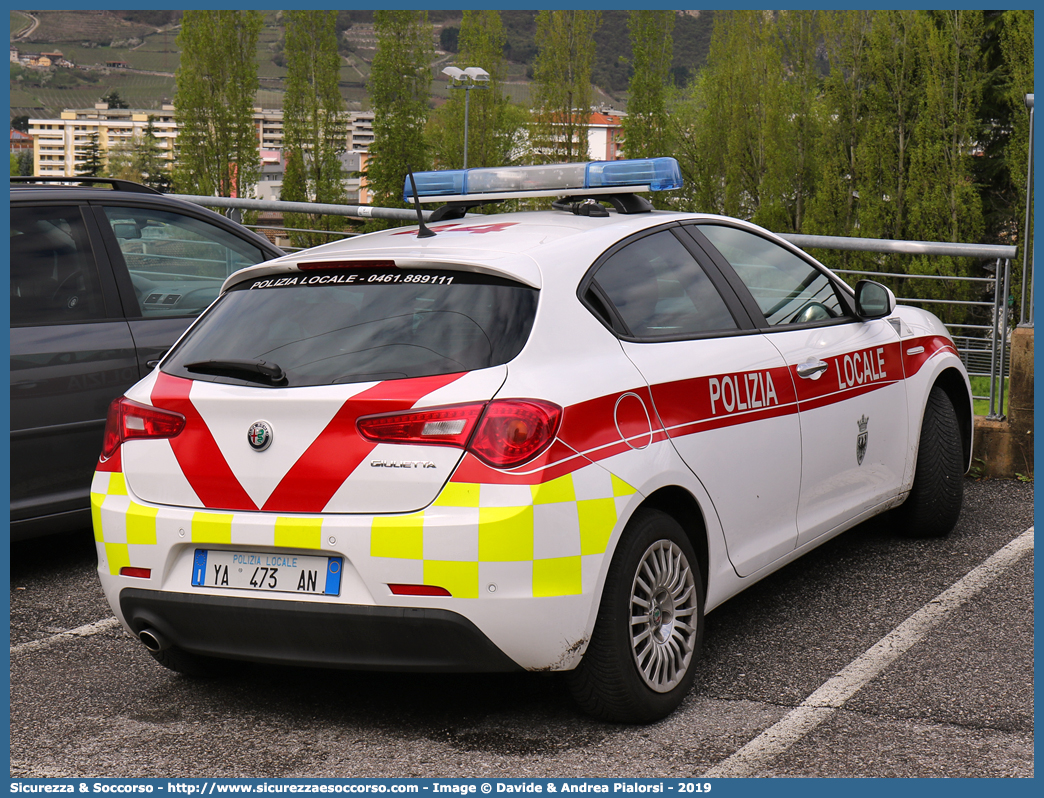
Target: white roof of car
[{"x": 509, "y": 244}]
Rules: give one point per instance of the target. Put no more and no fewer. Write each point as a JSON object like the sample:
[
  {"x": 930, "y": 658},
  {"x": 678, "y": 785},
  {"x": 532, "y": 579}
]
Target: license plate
[{"x": 281, "y": 573}]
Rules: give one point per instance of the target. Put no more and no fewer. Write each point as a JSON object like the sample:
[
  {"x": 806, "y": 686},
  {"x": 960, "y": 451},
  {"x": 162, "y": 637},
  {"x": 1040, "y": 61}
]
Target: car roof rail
[{"x": 114, "y": 183}]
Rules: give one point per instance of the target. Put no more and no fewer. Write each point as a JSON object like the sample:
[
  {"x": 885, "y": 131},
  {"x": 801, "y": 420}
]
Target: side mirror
[{"x": 873, "y": 300}]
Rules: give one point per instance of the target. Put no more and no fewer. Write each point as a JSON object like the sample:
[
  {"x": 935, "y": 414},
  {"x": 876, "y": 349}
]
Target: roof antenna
[{"x": 423, "y": 232}]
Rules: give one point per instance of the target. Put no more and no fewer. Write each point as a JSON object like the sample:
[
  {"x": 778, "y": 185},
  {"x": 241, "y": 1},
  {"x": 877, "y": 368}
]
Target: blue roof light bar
[{"x": 553, "y": 180}]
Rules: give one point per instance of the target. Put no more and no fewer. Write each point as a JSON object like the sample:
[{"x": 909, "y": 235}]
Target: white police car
[{"x": 543, "y": 441}]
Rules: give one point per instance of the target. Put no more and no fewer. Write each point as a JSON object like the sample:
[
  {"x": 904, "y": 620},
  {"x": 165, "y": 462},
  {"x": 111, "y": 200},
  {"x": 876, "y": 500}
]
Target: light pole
[
  {"x": 467, "y": 79},
  {"x": 1027, "y": 241}
]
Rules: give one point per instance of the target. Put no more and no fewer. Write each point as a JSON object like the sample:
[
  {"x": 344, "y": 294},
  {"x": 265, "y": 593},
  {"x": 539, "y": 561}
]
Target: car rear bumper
[{"x": 317, "y": 635}]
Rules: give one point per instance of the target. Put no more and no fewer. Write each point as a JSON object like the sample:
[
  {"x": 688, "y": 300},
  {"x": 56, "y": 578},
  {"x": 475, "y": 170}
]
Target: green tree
[
  {"x": 114, "y": 100},
  {"x": 400, "y": 90},
  {"x": 93, "y": 157},
  {"x": 833, "y": 210},
  {"x": 154, "y": 168},
  {"x": 494, "y": 124},
  {"x": 944, "y": 202},
  {"x": 216, "y": 83},
  {"x": 741, "y": 109},
  {"x": 25, "y": 163},
  {"x": 792, "y": 155},
  {"x": 1017, "y": 48},
  {"x": 122, "y": 161},
  {"x": 891, "y": 107},
  {"x": 645, "y": 128},
  {"x": 562, "y": 84},
  {"x": 691, "y": 112},
  {"x": 314, "y": 122}
]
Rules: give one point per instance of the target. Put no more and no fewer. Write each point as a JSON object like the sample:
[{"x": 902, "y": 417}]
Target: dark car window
[
  {"x": 787, "y": 288},
  {"x": 177, "y": 263},
  {"x": 660, "y": 291},
  {"x": 344, "y": 327},
  {"x": 54, "y": 278}
]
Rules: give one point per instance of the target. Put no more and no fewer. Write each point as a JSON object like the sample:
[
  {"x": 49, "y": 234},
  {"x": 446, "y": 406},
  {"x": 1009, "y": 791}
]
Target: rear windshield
[{"x": 337, "y": 327}]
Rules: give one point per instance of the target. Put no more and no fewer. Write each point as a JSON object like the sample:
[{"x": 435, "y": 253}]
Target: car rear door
[
  {"x": 71, "y": 353},
  {"x": 848, "y": 374},
  {"x": 722, "y": 391}
]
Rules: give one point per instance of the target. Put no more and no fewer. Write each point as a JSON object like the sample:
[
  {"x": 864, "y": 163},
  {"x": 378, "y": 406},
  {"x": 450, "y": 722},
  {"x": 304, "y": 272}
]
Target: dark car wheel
[
  {"x": 640, "y": 663},
  {"x": 934, "y": 504}
]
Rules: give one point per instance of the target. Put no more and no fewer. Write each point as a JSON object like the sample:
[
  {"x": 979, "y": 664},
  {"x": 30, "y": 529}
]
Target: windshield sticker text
[{"x": 353, "y": 279}]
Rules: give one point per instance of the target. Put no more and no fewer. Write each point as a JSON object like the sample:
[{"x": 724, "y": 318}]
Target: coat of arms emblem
[{"x": 861, "y": 439}]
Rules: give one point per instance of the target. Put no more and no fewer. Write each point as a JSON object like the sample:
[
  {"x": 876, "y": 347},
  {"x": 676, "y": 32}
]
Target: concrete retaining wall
[{"x": 1004, "y": 449}]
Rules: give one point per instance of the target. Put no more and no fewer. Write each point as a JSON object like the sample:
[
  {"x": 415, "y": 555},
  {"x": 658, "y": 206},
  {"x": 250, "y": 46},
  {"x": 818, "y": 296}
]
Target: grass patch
[{"x": 981, "y": 387}]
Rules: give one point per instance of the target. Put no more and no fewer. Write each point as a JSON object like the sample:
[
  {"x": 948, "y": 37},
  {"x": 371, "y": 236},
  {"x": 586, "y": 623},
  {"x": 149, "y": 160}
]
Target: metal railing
[{"x": 972, "y": 349}]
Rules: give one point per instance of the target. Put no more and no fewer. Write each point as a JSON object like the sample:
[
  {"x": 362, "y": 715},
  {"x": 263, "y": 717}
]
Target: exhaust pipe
[{"x": 153, "y": 640}]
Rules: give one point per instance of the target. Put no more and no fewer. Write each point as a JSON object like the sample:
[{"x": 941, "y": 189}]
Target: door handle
[{"x": 812, "y": 369}]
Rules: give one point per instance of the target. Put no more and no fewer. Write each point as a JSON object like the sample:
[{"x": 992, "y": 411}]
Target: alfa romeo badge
[{"x": 260, "y": 435}]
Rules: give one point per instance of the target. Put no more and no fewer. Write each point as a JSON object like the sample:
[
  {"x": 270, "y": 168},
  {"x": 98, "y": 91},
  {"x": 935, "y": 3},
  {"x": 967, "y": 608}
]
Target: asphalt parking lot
[{"x": 873, "y": 656}]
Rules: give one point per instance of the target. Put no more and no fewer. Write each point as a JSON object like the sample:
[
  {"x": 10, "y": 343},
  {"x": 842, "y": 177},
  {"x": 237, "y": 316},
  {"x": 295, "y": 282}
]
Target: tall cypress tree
[
  {"x": 563, "y": 92},
  {"x": 832, "y": 210},
  {"x": 645, "y": 128},
  {"x": 944, "y": 202},
  {"x": 93, "y": 157},
  {"x": 154, "y": 169},
  {"x": 216, "y": 85},
  {"x": 399, "y": 89},
  {"x": 1017, "y": 47},
  {"x": 314, "y": 121}
]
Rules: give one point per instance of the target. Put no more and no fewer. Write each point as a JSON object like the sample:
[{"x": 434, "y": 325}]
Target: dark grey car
[{"x": 104, "y": 279}]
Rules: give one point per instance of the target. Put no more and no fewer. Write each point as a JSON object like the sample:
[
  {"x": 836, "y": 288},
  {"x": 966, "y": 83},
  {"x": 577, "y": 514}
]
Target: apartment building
[
  {"x": 58, "y": 148},
  {"x": 60, "y": 142}
]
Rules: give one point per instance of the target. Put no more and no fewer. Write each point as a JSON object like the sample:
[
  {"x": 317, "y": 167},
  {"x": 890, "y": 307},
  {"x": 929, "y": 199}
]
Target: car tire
[
  {"x": 638, "y": 669},
  {"x": 934, "y": 503},
  {"x": 189, "y": 664}
]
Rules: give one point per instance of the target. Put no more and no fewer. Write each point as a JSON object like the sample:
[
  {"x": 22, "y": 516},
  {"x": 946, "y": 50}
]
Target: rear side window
[
  {"x": 54, "y": 278},
  {"x": 357, "y": 326},
  {"x": 661, "y": 292}
]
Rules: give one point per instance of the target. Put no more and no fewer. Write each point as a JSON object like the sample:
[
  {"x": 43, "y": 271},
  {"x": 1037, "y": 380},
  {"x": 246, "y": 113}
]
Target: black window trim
[
  {"x": 744, "y": 324},
  {"x": 841, "y": 289}
]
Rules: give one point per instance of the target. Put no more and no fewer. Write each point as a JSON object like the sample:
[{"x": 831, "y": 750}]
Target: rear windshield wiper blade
[{"x": 253, "y": 370}]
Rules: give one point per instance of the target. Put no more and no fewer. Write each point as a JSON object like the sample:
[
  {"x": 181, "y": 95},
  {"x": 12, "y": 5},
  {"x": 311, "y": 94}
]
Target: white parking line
[
  {"x": 825, "y": 701},
  {"x": 82, "y": 631}
]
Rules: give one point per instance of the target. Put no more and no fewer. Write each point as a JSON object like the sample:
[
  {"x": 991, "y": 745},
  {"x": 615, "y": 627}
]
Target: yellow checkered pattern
[
  {"x": 514, "y": 540},
  {"x": 140, "y": 521},
  {"x": 474, "y": 540},
  {"x": 127, "y": 531}
]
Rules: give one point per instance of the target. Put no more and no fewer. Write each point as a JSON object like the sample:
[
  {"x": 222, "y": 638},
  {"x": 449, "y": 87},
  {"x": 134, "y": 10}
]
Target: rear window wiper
[{"x": 252, "y": 370}]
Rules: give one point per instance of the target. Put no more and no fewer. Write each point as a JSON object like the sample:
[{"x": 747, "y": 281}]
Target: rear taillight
[
  {"x": 447, "y": 426},
  {"x": 503, "y": 433},
  {"x": 128, "y": 419},
  {"x": 514, "y": 431}
]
